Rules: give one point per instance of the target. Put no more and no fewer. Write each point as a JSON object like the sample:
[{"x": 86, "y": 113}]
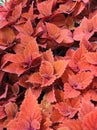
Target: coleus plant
[{"x": 48, "y": 65}]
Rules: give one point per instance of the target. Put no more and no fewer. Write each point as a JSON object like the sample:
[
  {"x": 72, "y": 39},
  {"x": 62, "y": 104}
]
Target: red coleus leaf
[
  {"x": 91, "y": 57},
  {"x": 50, "y": 96},
  {"x": 81, "y": 80},
  {"x": 14, "y": 68},
  {"x": 31, "y": 51},
  {"x": 80, "y": 6},
  {"x": 94, "y": 22},
  {"x": 29, "y": 117},
  {"x": 59, "y": 67},
  {"x": 68, "y": 7},
  {"x": 15, "y": 58},
  {"x": 55, "y": 71},
  {"x": 45, "y": 8},
  {"x": 66, "y": 110},
  {"x": 47, "y": 73},
  {"x": 70, "y": 125},
  {"x": 22, "y": 81},
  {"x": 35, "y": 78},
  {"x": 70, "y": 92},
  {"x": 68, "y": 39},
  {"x": 2, "y": 112},
  {"x": 7, "y": 36},
  {"x": 23, "y": 60},
  {"x": 46, "y": 68},
  {"x": 59, "y": 22},
  {"x": 89, "y": 120},
  {"x": 53, "y": 30},
  {"x": 16, "y": 13},
  {"x": 29, "y": 14},
  {"x": 77, "y": 57},
  {"x": 46, "y": 124},
  {"x": 25, "y": 28},
  {"x": 85, "y": 30},
  {"x": 10, "y": 15},
  {"x": 56, "y": 117},
  {"x": 48, "y": 56},
  {"x": 58, "y": 34},
  {"x": 11, "y": 110},
  {"x": 90, "y": 95},
  {"x": 66, "y": 74},
  {"x": 85, "y": 108},
  {"x": 4, "y": 95}
]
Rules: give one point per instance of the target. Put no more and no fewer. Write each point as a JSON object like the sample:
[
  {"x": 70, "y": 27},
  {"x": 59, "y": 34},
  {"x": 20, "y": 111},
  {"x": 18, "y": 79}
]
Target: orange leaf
[
  {"x": 15, "y": 58},
  {"x": 29, "y": 14},
  {"x": 85, "y": 107},
  {"x": 47, "y": 73},
  {"x": 11, "y": 110},
  {"x": 70, "y": 125},
  {"x": 68, "y": 37},
  {"x": 85, "y": 30},
  {"x": 63, "y": 128},
  {"x": 91, "y": 57},
  {"x": 25, "y": 28},
  {"x": 65, "y": 109},
  {"x": 90, "y": 121},
  {"x": 16, "y": 13},
  {"x": 77, "y": 57},
  {"x": 2, "y": 112},
  {"x": 50, "y": 96},
  {"x": 7, "y": 36},
  {"x": 29, "y": 116},
  {"x": 14, "y": 68},
  {"x": 31, "y": 50},
  {"x": 59, "y": 67},
  {"x": 46, "y": 68},
  {"x": 69, "y": 92},
  {"x": 94, "y": 22},
  {"x": 68, "y": 7},
  {"x": 45, "y": 7},
  {"x": 35, "y": 78},
  {"x": 48, "y": 56},
  {"x": 81, "y": 80},
  {"x": 53, "y": 30}
]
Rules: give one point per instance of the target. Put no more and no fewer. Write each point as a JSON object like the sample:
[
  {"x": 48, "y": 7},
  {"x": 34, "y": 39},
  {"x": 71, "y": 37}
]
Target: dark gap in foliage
[
  {"x": 75, "y": 116},
  {"x": 42, "y": 49},
  {"x": 54, "y": 125},
  {"x": 10, "y": 78},
  {"x": 21, "y": 95},
  {"x": 40, "y": 98},
  {"x": 60, "y": 51},
  {"x": 66, "y": 15},
  {"x": 76, "y": 24},
  {"x": 58, "y": 84},
  {"x": 10, "y": 50},
  {"x": 93, "y": 38},
  {"x": 94, "y": 102},
  {"x": 75, "y": 46},
  {"x": 35, "y": 22},
  {"x": 93, "y": 5}
]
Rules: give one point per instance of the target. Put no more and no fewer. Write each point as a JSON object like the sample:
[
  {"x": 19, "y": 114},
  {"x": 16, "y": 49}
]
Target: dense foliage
[{"x": 48, "y": 65}]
